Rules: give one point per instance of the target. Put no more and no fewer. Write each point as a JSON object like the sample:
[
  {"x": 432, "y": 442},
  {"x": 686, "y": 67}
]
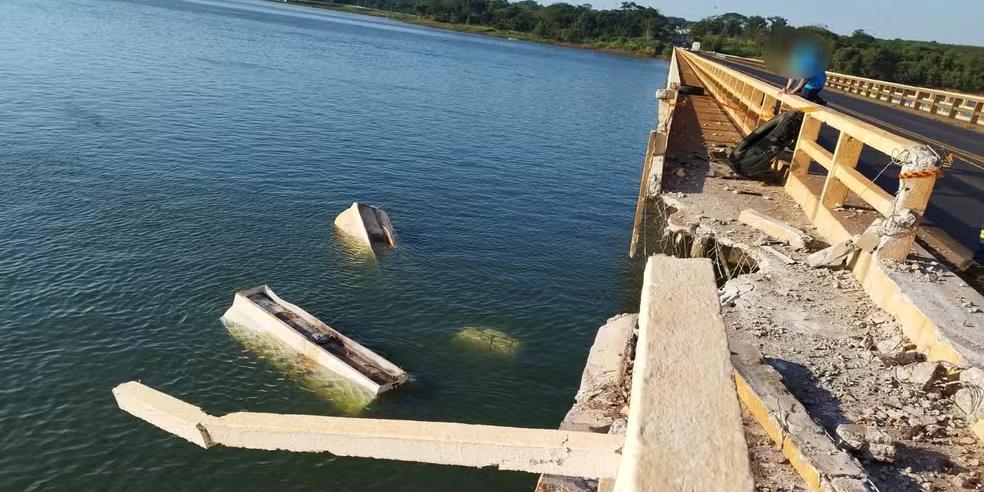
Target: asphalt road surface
[{"x": 957, "y": 204}]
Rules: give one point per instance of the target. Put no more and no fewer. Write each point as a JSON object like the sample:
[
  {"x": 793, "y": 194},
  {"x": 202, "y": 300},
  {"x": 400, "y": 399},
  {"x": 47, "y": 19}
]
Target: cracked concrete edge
[
  {"x": 604, "y": 372},
  {"x": 164, "y": 411},
  {"x": 811, "y": 452},
  {"x": 508, "y": 448}
]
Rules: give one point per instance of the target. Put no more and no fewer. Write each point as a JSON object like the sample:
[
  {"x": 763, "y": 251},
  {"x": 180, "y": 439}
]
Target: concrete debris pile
[
  {"x": 867, "y": 440},
  {"x": 924, "y": 270}
]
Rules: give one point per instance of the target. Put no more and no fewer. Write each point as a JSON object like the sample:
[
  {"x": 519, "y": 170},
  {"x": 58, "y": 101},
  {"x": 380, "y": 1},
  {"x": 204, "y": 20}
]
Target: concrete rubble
[
  {"x": 805, "y": 443},
  {"x": 868, "y": 440},
  {"x": 833, "y": 256}
]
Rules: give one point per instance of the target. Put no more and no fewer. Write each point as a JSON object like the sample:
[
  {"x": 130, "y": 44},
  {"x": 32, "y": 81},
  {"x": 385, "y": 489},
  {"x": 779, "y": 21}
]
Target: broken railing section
[
  {"x": 507, "y": 448},
  {"x": 749, "y": 102}
]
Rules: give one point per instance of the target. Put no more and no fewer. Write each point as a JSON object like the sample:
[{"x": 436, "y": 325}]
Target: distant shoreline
[{"x": 464, "y": 28}]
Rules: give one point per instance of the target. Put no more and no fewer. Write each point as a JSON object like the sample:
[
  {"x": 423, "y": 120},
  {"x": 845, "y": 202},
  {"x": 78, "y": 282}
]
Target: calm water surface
[{"x": 157, "y": 156}]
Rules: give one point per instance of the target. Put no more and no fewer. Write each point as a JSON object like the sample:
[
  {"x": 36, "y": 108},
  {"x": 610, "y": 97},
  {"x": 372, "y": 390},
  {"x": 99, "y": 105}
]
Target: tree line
[
  {"x": 644, "y": 30},
  {"x": 925, "y": 64},
  {"x": 631, "y": 27}
]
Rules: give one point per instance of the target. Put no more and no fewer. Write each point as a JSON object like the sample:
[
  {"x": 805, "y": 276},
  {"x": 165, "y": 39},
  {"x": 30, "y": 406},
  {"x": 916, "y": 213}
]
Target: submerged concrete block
[
  {"x": 685, "y": 431},
  {"x": 261, "y": 310},
  {"x": 774, "y": 228},
  {"x": 164, "y": 411},
  {"x": 367, "y": 224}
]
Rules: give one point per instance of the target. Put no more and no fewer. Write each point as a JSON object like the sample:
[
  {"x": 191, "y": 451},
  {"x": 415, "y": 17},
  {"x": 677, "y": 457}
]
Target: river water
[{"x": 155, "y": 157}]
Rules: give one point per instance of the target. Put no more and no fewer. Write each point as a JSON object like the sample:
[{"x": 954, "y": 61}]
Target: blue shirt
[{"x": 816, "y": 82}]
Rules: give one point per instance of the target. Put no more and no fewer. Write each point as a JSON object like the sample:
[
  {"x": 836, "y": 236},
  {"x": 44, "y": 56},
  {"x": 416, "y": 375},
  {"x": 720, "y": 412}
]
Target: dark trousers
[{"x": 810, "y": 94}]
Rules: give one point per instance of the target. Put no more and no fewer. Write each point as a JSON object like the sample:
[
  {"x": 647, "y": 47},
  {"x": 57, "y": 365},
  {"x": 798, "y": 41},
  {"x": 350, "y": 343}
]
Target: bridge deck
[{"x": 957, "y": 206}]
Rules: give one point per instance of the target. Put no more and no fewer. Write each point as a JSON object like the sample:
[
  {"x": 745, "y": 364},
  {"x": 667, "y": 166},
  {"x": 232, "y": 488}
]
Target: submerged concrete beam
[
  {"x": 685, "y": 430},
  {"x": 556, "y": 452}
]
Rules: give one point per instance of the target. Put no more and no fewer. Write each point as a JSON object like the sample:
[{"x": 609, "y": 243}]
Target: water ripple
[{"x": 156, "y": 157}]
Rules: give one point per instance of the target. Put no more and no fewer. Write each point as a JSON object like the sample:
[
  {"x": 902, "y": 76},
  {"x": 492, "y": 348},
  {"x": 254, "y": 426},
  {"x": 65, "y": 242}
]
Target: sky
[{"x": 945, "y": 21}]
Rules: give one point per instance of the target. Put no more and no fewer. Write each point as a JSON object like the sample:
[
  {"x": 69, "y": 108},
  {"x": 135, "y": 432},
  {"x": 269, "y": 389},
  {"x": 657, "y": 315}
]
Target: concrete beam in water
[
  {"x": 367, "y": 224},
  {"x": 555, "y": 452}
]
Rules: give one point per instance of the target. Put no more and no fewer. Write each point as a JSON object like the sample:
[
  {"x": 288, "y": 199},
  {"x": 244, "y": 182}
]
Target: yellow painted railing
[
  {"x": 947, "y": 104},
  {"x": 750, "y": 102},
  {"x": 953, "y": 105}
]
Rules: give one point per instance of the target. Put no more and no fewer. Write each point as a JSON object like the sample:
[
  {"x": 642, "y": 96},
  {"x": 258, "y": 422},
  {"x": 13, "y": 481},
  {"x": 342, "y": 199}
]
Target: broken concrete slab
[
  {"x": 734, "y": 289},
  {"x": 809, "y": 450},
  {"x": 834, "y": 256},
  {"x": 785, "y": 259},
  {"x": 367, "y": 224},
  {"x": 507, "y": 448},
  {"x": 922, "y": 375},
  {"x": 775, "y": 228},
  {"x": 261, "y": 310},
  {"x": 682, "y": 436}
]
